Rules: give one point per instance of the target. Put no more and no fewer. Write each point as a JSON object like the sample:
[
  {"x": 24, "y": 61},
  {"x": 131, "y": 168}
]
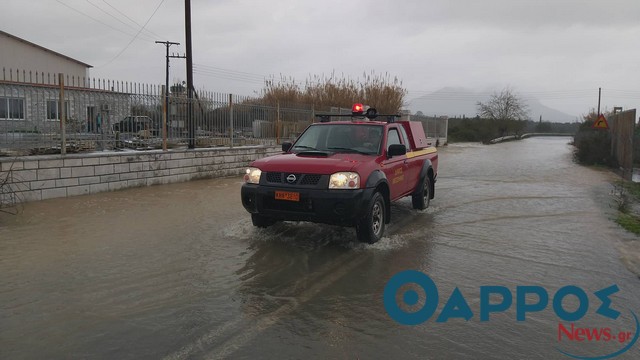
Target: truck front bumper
[{"x": 337, "y": 207}]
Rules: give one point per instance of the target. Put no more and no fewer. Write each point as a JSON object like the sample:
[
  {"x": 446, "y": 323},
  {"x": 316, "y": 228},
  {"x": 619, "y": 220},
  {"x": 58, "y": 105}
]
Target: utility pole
[
  {"x": 166, "y": 93},
  {"x": 190, "y": 122},
  {"x": 599, "y": 96}
]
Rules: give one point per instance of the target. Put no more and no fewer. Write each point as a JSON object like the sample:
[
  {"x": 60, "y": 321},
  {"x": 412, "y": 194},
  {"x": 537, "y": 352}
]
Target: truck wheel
[
  {"x": 261, "y": 221},
  {"x": 371, "y": 228},
  {"x": 420, "y": 199}
]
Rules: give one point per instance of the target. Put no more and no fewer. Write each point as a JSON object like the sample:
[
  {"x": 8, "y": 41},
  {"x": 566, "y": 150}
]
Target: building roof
[{"x": 44, "y": 49}]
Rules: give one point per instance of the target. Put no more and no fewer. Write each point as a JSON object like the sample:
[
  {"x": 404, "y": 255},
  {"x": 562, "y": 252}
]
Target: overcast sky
[{"x": 559, "y": 51}]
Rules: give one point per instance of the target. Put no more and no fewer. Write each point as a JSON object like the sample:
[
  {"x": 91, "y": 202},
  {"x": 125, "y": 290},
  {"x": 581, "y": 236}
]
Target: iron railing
[{"x": 109, "y": 115}]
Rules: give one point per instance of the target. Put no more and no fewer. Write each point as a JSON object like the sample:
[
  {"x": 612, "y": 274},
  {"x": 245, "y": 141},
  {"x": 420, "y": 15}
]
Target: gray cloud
[{"x": 534, "y": 46}]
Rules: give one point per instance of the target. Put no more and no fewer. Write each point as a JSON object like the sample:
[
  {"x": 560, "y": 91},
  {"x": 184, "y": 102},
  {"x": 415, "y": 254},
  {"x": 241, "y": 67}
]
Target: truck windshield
[{"x": 340, "y": 138}]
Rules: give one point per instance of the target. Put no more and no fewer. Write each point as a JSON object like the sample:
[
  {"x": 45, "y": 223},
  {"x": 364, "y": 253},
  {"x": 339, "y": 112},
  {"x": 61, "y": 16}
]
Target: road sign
[{"x": 601, "y": 123}]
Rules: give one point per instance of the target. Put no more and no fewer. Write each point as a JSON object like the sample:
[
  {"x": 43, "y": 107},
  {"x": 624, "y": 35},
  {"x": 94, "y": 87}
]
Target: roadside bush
[{"x": 593, "y": 147}]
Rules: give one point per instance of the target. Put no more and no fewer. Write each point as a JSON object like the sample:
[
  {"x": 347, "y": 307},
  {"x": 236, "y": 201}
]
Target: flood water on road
[{"x": 179, "y": 272}]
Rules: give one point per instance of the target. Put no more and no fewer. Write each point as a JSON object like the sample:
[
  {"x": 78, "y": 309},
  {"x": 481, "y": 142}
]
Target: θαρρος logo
[{"x": 457, "y": 306}]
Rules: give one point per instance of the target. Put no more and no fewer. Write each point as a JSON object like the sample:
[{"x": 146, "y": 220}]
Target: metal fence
[
  {"x": 108, "y": 115},
  {"x": 435, "y": 128}
]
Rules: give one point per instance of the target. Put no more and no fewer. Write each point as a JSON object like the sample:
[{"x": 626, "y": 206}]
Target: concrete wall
[{"x": 44, "y": 177}]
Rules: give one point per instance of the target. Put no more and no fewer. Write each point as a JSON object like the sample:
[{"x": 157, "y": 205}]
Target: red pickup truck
[{"x": 344, "y": 173}]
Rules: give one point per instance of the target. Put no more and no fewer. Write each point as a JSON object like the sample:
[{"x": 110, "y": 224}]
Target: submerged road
[{"x": 179, "y": 272}]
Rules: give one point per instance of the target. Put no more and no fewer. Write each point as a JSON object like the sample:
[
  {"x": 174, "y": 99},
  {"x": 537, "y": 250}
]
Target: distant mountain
[{"x": 456, "y": 102}]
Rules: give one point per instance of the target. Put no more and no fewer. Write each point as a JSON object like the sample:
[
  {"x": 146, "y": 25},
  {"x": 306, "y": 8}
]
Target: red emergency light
[{"x": 358, "y": 109}]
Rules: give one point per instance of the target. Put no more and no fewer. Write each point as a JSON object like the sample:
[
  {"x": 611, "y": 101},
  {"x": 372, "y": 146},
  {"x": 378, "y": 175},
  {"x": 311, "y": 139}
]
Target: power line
[
  {"x": 130, "y": 19},
  {"x": 111, "y": 15},
  {"x": 94, "y": 19},
  {"x": 134, "y": 38}
]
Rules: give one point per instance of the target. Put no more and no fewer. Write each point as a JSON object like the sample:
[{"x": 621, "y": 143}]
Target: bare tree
[
  {"x": 9, "y": 198},
  {"x": 508, "y": 109},
  {"x": 504, "y": 106}
]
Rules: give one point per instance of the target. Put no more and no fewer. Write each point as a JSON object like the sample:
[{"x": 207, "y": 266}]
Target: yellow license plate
[{"x": 287, "y": 195}]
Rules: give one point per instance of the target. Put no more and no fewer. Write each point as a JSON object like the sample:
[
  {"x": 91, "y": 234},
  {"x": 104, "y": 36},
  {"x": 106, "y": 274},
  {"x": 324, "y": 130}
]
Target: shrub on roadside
[{"x": 593, "y": 146}]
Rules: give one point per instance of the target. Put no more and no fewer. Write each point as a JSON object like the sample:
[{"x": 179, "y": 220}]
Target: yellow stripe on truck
[{"x": 412, "y": 154}]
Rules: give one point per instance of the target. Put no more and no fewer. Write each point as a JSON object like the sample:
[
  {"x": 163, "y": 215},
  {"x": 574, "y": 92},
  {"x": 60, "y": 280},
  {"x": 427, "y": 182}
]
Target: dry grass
[{"x": 383, "y": 92}]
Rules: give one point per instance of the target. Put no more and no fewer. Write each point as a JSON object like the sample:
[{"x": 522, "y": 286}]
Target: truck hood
[{"x": 311, "y": 164}]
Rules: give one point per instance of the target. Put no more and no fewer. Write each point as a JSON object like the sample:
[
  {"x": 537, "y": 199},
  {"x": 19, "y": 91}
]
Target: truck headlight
[
  {"x": 344, "y": 180},
  {"x": 252, "y": 175}
]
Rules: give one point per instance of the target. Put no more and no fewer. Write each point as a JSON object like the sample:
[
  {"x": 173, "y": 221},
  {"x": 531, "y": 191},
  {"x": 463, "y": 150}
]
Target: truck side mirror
[
  {"x": 286, "y": 146},
  {"x": 396, "y": 150}
]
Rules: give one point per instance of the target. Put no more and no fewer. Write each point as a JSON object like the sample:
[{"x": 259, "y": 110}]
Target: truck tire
[
  {"x": 261, "y": 221},
  {"x": 371, "y": 228},
  {"x": 420, "y": 199}
]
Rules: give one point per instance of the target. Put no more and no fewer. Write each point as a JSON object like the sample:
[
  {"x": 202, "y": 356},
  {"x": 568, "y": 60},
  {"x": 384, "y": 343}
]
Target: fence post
[
  {"x": 231, "y": 120},
  {"x": 63, "y": 115},
  {"x": 277, "y": 122},
  {"x": 164, "y": 117}
]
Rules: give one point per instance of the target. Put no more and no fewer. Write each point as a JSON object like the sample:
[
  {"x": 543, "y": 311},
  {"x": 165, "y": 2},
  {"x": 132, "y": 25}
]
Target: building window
[
  {"x": 11, "y": 108},
  {"x": 52, "y": 110}
]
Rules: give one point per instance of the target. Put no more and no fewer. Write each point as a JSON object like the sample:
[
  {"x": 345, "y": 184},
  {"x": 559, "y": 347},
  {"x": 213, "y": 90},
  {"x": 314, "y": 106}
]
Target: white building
[
  {"x": 30, "y": 93},
  {"x": 18, "y": 54}
]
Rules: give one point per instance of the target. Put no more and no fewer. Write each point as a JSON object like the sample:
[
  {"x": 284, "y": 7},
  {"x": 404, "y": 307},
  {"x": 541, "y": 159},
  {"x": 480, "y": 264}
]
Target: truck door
[
  {"x": 412, "y": 175},
  {"x": 396, "y": 167}
]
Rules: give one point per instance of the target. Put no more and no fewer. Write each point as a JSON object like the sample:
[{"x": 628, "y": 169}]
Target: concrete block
[
  {"x": 24, "y": 175},
  {"x": 96, "y": 188},
  {"x": 104, "y": 169},
  {"x": 90, "y": 161},
  {"x": 118, "y": 185},
  {"x": 110, "y": 160},
  {"x": 20, "y": 186},
  {"x": 172, "y": 164},
  {"x": 54, "y": 193},
  {"x": 109, "y": 178},
  {"x": 12, "y": 165},
  {"x": 67, "y": 182},
  {"x": 48, "y": 164},
  {"x": 161, "y": 173},
  {"x": 82, "y": 171},
  {"x": 170, "y": 179},
  {"x": 184, "y": 177},
  {"x": 176, "y": 171},
  {"x": 178, "y": 155},
  {"x": 42, "y": 184},
  {"x": 65, "y": 172},
  {"x": 137, "y": 183},
  {"x": 48, "y": 174},
  {"x": 72, "y": 162},
  {"x": 28, "y": 165},
  {"x": 89, "y": 180},
  {"x": 78, "y": 190},
  {"x": 33, "y": 195},
  {"x": 136, "y": 166},
  {"x": 129, "y": 176},
  {"x": 121, "y": 168}
]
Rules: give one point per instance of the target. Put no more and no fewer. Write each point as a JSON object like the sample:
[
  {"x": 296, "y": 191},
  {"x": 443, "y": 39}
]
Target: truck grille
[{"x": 301, "y": 179}]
